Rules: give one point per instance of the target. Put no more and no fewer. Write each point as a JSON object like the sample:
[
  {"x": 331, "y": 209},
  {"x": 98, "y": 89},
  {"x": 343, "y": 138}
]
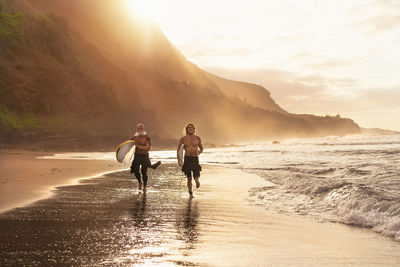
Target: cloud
[
  {"x": 386, "y": 98},
  {"x": 376, "y": 107},
  {"x": 302, "y": 56},
  {"x": 384, "y": 17},
  {"x": 284, "y": 39},
  {"x": 388, "y": 5},
  {"x": 382, "y": 23},
  {"x": 315, "y": 79},
  {"x": 330, "y": 63},
  {"x": 216, "y": 52}
]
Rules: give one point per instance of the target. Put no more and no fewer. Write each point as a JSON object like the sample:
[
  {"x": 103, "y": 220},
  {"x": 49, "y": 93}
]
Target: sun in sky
[
  {"x": 153, "y": 10},
  {"x": 145, "y": 9}
]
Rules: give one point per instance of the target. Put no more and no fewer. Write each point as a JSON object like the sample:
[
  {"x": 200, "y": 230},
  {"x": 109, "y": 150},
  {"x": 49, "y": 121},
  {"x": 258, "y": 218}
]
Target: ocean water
[{"x": 353, "y": 180}]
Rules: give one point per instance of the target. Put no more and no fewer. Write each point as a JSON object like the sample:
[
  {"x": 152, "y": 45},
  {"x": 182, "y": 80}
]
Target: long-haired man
[{"x": 193, "y": 147}]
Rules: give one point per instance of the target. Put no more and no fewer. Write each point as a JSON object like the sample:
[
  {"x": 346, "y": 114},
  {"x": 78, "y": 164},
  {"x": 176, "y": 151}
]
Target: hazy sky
[{"x": 314, "y": 56}]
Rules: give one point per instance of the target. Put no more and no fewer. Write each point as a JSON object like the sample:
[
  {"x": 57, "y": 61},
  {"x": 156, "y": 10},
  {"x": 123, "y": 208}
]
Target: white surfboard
[
  {"x": 180, "y": 157},
  {"x": 125, "y": 151}
]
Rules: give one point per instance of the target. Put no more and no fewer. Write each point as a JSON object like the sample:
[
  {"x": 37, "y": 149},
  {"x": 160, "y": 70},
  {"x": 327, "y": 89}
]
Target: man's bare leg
[
  {"x": 189, "y": 185},
  {"x": 155, "y": 165},
  {"x": 196, "y": 179}
]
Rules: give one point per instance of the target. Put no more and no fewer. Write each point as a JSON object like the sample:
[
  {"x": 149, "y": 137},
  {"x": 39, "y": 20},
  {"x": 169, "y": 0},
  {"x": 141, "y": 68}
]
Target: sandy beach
[
  {"x": 106, "y": 221},
  {"x": 24, "y": 177}
]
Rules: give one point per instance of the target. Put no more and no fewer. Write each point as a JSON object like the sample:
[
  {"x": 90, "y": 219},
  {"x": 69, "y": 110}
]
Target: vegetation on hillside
[
  {"x": 11, "y": 31},
  {"x": 47, "y": 83}
]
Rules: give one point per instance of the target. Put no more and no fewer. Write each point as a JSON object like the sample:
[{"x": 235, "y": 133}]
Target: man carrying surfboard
[
  {"x": 141, "y": 158},
  {"x": 193, "y": 147}
]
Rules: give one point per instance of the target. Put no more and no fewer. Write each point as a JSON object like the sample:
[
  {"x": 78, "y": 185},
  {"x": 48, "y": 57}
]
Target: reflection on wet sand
[
  {"x": 138, "y": 211},
  {"x": 104, "y": 221},
  {"x": 186, "y": 225},
  {"x": 163, "y": 225}
]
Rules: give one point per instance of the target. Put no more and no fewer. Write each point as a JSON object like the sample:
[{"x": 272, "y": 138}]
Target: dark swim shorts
[{"x": 191, "y": 164}]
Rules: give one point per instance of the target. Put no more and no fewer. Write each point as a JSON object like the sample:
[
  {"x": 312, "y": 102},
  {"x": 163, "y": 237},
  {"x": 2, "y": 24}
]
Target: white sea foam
[{"x": 353, "y": 180}]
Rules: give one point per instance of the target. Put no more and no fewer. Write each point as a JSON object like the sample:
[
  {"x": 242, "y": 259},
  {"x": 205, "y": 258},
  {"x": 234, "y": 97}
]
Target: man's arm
[
  {"x": 200, "y": 146},
  {"x": 147, "y": 146},
  {"x": 179, "y": 146}
]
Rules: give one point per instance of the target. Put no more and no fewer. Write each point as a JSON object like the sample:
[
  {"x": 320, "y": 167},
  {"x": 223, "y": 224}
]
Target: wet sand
[
  {"x": 106, "y": 221},
  {"x": 25, "y": 178}
]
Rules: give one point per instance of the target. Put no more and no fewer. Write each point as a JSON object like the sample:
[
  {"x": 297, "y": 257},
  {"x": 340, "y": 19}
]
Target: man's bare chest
[
  {"x": 191, "y": 141},
  {"x": 141, "y": 140}
]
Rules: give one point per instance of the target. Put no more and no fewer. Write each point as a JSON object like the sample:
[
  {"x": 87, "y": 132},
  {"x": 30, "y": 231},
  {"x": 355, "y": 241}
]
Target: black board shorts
[
  {"x": 141, "y": 159},
  {"x": 191, "y": 164}
]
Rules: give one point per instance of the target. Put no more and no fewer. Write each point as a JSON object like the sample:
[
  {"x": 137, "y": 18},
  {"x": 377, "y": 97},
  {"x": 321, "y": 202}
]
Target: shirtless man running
[
  {"x": 141, "y": 159},
  {"x": 193, "y": 147}
]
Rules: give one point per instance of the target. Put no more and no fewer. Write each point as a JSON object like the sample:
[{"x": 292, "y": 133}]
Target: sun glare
[
  {"x": 146, "y": 9},
  {"x": 168, "y": 15}
]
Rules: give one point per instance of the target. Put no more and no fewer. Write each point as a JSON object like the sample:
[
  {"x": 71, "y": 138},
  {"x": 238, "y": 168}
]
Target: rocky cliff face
[{"x": 75, "y": 73}]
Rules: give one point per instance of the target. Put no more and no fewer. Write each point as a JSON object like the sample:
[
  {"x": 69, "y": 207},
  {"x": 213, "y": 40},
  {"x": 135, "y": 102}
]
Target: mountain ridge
[{"x": 101, "y": 90}]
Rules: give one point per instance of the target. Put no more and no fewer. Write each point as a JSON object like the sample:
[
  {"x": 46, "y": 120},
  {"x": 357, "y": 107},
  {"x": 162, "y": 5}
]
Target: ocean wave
[
  {"x": 395, "y": 142},
  {"x": 323, "y": 171},
  {"x": 334, "y": 200},
  {"x": 351, "y": 140},
  {"x": 223, "y": 162},
  {"x": 301, "y": 182},
  {"x": 357, "y": 171},
  {"x": 262, "y": 169},
  {"x": 353, "y": 180},
  {"x": 363, "y": 209},
  {"x": 391, "y": 152}
]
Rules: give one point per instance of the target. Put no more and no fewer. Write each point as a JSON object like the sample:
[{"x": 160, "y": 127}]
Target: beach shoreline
[
  {"x": 26, "y": 178},
  {"x": 219, "y": 227}
]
